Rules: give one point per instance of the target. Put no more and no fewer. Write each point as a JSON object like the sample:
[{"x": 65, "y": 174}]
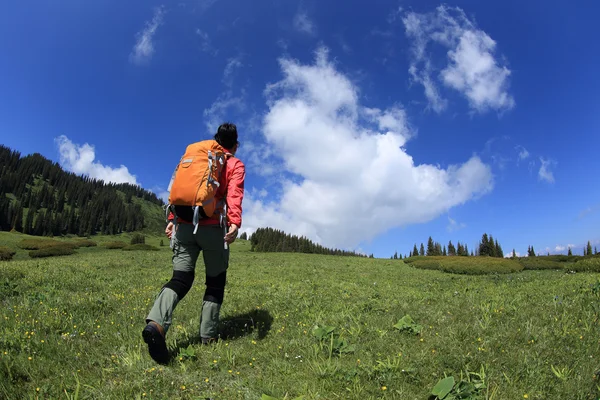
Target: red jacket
[{"x": 232, "y": 186}]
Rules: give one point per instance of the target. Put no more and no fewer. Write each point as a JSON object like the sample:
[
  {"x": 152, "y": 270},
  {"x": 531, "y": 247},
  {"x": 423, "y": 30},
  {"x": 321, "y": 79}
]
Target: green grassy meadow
[{"x": 70, "y": 327}]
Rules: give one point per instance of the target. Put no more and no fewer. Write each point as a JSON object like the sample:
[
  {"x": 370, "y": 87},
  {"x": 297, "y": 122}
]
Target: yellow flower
[
  {"x": 37, "y": 389},
  {"x": 525, "y": 396},
  {"x": 384, "y": 388},
  {"x": 206, "y": 380},
  {"x": 29, "y": 358},
  {"x": 230, "y": 371},
  {"x": 182, "y": 387},
  {"x": 215, "y": 361}
]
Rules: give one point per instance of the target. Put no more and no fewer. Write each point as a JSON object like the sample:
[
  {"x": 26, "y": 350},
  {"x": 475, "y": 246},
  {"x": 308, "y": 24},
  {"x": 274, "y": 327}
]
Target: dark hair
[{"x": 227, "y": 135}]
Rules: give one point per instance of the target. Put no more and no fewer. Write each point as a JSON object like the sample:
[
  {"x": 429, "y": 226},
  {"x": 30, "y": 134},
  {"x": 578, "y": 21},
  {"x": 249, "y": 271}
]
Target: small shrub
[
  {"x": 39, "y": 244},
  {"x": 114, "y": 245},
  {"x": 161, "y": 243},
  {"x": 531, "y": 263},
  {"x": 84, "y": 243},
  {"x": 138, "y": 239},
  {"x": 52, "y": 251},
  {"x": 466, "y": 265},
  {"x": 6, "y": 254},
  {"x": 140, "y": 246},
  {"x": 586, "y": 265}
]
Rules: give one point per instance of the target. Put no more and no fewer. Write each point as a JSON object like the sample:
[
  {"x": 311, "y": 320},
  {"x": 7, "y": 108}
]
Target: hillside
[
  {"x": 38, "y": 197},
  {"x": 318, "y": 326}
]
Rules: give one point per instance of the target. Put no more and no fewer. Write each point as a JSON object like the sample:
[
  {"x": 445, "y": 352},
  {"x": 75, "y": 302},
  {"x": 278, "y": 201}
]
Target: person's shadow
[{"x": 234, "y": 327}]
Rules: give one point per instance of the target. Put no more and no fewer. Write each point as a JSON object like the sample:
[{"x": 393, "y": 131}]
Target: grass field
[{"x": 70, "y": 327}]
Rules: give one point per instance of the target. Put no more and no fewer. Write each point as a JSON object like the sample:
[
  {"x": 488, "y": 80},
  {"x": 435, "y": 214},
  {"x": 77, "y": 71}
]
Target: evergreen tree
[
  {"x": 514, "y": 254},
  {"x": 484, "y": 245},
  {"x": 437, "y": 249},
  {"x": 570, "y": 253},
  {"x": 499, "y": 252},
  {"x": 422, "y": 250},
  {"x": 18, "y": 218},
  {"x": 451, "y": 249},
  {"x": 589, "y": 248},
  {"x": 466, "y": 251},
  {"x": 415, "y": 251},
  {"x": 28, "y": 225},
  {"x": 430, "y": 247},
  {"x": 444, "y": 251}
]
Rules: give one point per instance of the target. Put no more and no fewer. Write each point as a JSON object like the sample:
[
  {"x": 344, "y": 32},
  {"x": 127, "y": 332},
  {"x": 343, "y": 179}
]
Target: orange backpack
[{"x": 196, "y": 179}]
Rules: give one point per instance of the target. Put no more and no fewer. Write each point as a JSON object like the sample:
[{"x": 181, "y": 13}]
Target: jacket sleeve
[{"x": 235, "y": 193}]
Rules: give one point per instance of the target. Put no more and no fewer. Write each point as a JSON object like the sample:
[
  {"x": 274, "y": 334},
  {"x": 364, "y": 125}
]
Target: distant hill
[{"x": 38, "y": 197}]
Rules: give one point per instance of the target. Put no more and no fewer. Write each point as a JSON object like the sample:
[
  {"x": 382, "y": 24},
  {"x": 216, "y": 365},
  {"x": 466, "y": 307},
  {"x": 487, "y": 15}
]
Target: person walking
[{"x": 191, "y": 235}]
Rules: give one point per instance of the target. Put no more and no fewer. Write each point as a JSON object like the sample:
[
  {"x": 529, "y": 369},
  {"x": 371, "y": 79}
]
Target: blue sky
[{"x": 365, "y": 125}]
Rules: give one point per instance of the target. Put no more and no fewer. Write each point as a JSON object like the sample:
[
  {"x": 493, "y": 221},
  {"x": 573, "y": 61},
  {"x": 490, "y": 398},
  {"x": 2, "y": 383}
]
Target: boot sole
[{"x": 156, "y": 345}]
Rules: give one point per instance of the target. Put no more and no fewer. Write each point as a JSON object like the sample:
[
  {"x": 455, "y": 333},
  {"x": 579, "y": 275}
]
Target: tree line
[
  {"x": 488, "y": 246},
  {"x": 587, "y": 251},
  {"x": 273, "y": 240},
  {"x": 38, "y": 197}
]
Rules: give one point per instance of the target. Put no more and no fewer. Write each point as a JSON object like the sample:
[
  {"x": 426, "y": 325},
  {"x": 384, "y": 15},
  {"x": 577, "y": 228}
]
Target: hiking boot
[
  {"x": 153, "y": 335},
  {"x": 209, "y": 340}
]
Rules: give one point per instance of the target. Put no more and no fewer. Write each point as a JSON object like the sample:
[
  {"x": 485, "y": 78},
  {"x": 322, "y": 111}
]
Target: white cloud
[
  {"x": 509, "y": 255},
  {"x": 472, "y": 69},
  {"x": 232, "y": 64},
  {"x": 80, "y": 160},
  {"x": 144, "y": 48},
  {"x": 303, "y": 24},
  {"x": 454, "y": 226},
  {"x": 349, "y": 178},
  {"x": 559, "y": 248},
  {"x": 215, "y": 115},
  {"x": 545, "y": 174},
  {"x": 523, "y": 153},
  {"x": 205, "y": 42}
]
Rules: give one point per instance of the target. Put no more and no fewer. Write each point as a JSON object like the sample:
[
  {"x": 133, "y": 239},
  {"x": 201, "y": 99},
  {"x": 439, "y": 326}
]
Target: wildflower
[
  {"x": 206, "y": 380},
  {"x": 250, "y": 363},
  {"x": 525, "y": 396},
  {"x": 254, "y": 342},
  {"x": 144, "y": 394},
  {"x": 29, "y": 358},
  {"x": 182, "y": 387},
  {"x": 230, "y": 371},
  {"x": 215, "y": 361},
  {"x": 384, "y": 388}
]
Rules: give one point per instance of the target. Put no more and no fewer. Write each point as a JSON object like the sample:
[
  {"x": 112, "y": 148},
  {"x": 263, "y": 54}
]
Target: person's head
[{"x": 227, "y": 136}]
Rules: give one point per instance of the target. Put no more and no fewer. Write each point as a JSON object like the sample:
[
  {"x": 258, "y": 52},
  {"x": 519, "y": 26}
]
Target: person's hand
[
  {"x": 169, "y": 230},
  {"x": 232, "y": 234}
]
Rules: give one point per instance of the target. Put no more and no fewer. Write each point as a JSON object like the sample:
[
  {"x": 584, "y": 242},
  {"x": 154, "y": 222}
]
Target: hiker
[{"x": 191, "y": 234}]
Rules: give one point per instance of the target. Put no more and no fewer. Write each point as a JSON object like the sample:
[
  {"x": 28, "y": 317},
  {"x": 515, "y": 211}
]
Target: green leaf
[
  {"x": 267, "y": 397},
  {"x": 406, "y": 323},
  {"x": 323, "y": 331},
  {"x": 443, "y": 387}
]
